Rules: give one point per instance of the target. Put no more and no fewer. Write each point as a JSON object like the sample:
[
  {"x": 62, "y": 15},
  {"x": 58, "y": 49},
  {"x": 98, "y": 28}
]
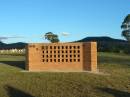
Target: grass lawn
[{"x": 116, "y": 82}]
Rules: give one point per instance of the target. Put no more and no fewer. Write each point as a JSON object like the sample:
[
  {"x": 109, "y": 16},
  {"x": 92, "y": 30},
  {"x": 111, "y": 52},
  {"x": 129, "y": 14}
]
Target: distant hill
[
  {"x": 108, "y": 44},
  {"x": 104, "y": 38},
  {"x": 104, "y": 44},
  {"x": 18, "y": 45}
]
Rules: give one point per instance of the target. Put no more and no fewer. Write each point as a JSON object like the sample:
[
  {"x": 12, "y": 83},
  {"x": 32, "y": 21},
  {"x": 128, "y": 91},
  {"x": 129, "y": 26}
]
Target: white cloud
[{"x": 65, "y": 33}]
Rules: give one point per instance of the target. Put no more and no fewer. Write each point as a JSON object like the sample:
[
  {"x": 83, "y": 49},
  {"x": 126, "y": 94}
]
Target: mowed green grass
[{"x": 113, "y": 81}]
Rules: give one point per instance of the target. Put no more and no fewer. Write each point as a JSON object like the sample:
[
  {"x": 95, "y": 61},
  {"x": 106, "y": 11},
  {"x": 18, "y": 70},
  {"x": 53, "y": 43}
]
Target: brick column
[{"x": 90, "y": 56}]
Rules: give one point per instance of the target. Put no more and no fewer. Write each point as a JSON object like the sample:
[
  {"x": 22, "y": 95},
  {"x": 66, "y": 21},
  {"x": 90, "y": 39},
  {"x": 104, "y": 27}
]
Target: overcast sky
[{"x": 70, "y": 19}]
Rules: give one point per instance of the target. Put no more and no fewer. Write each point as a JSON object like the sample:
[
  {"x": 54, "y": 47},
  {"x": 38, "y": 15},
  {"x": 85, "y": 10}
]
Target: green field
[{"x": 113, "y": 81}]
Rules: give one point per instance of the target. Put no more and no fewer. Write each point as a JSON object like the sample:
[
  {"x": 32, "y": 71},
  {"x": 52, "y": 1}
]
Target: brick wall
[{"x": 61, "y": 56}]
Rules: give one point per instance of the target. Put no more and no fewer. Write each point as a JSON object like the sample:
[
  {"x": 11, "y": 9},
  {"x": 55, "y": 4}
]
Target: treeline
[
  {"x": 104, "y": 44},
  {"x": 117, "y": 47},
  {"x": 107, "y": 44}
]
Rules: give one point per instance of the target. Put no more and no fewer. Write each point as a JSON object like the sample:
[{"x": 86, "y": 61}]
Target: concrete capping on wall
[{"x": 81, "y": 56}]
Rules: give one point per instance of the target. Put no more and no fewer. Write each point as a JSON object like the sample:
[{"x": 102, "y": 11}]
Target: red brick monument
[{"x": 62, "y": 56}]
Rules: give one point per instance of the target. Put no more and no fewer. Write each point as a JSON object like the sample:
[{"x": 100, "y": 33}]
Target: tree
[
  {"x": 126, "y": 27},
  {"x": 53, "y": 38}
]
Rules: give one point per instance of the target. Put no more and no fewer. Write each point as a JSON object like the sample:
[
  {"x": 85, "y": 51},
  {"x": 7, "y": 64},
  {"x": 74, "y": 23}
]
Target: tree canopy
[
  {"x": 126, "y": 27},
  {"x": 53, "y": 38}
]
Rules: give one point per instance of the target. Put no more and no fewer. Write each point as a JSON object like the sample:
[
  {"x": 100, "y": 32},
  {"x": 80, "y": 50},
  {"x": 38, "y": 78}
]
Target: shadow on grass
[
  {"x": 114, "y": 92},
  {"x": 19, "y": 64},
  {"x": 14, "y": 92}
]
